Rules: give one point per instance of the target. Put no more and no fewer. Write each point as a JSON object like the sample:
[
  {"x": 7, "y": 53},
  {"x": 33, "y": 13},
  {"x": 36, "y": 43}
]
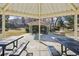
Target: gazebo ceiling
[{"x": 39, "y": 10}]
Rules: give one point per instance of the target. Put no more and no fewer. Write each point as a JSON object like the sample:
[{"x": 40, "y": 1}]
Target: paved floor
[{"x": 35, "y": 47}]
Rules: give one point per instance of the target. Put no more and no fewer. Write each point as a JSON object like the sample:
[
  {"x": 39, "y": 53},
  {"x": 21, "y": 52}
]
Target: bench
[
  {"x": 53, "y": 51},
  {"x": 18, "y": 51},
  {"x": 0, "y": 50}
]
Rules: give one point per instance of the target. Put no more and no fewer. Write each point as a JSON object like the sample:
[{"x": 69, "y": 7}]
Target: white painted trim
[
  {"x": 63, "y": 13},
  {"x": 75, "y": 26},
  {"x": 6, "y": 7},
  {"x": 41, "y": 15},
  {"x": 3, "y": 25},
  {"x": 73, "y": 7}
]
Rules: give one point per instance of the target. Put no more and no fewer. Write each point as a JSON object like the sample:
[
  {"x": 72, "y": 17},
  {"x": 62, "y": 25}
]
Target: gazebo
[
  {"x": 37, "y": 23},
  {"x": 39, "y": 11}
]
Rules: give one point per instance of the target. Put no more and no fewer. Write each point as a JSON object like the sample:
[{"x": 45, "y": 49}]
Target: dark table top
[{"x": 9, "y": 40}]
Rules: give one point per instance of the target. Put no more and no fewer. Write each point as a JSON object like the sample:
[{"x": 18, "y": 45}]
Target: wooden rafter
[
  {"x": 6, "y": 7},
  {"x": 73, "y": 7},
  {"x": 40, "y": 15}
]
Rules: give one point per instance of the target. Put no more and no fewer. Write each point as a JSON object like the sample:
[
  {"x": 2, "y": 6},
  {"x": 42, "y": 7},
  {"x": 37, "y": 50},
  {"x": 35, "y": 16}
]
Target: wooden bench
[
  {"x": 53, "y": 51},
  {"x": 18, "y": 51}
]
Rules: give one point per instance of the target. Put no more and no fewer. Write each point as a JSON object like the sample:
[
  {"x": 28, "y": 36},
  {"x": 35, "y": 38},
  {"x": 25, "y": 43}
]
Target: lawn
[{"x": 15, "y": 32}]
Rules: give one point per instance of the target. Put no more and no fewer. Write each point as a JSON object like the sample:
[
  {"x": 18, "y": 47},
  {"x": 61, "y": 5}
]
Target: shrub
[{"x": 27, "y": 29}]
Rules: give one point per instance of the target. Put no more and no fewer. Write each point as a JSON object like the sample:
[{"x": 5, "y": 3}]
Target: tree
[
  {"x": 60, "y": 22},
  {"x": 70, "y": 19}
]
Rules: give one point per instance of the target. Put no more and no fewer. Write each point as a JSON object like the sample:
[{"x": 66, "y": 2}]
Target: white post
[
  {"x": 39, "y": 29},
  {"x": 49, "y": 25},
  {"x": 3, "y": 25},
  {"x": 30, "y": 28},
  {"x": 75, "y": 26}
]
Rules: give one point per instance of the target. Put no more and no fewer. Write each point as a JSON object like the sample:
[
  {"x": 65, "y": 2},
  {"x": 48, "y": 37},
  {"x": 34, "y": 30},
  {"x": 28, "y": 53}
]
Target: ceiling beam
[
  {"x": 41, "y": 15},
  {"x": 0, "y": 9},
  {"x": 6, "y": 7},
  {"x": 57, "y": 14},
  {"x": 73, "y": 7},
  {"x": 65, "y": 13},
  {"x": 12, "y": 13}
]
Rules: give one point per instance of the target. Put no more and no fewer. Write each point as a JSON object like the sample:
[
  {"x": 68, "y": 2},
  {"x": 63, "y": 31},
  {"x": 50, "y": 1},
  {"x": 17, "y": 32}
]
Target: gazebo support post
[
  {"x": 39, "y": 29},
  {"x": 75, "y": 26},
  {"x": 50, "y": 25},
  {"x": 39, "y": 35},
  {"x": 49, "y": 29},
  {"x": 30, "y": 28},
  {"x": 3, "y": 25}
]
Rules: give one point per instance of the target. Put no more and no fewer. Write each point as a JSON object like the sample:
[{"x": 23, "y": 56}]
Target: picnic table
[
  {"x": 67, "y": 42},
  {"x": 11, "y": 40}
]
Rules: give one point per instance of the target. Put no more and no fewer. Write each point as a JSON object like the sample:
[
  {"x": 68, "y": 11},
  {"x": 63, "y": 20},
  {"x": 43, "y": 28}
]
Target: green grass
[{"x": 16, "y": 32}]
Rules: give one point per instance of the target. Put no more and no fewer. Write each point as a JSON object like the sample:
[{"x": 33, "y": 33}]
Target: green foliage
[
  {"x": 70, "y": 19},
  {"x": 35, "y": 28},
  {"x": 27, "y": 29},
  {"x": 43, "y": 30},
  {"x": 60, "y": 23}
]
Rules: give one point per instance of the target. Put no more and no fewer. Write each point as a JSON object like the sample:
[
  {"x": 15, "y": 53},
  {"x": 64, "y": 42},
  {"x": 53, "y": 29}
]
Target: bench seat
[
  {"x": 53, "y": 51},
  {"x": 0, "y": 50},
  {"x": 18, "y": 51}
]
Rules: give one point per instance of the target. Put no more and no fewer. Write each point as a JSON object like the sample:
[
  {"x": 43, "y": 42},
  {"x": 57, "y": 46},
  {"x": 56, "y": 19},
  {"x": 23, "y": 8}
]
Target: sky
[{"x": 14, "y": 17}]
